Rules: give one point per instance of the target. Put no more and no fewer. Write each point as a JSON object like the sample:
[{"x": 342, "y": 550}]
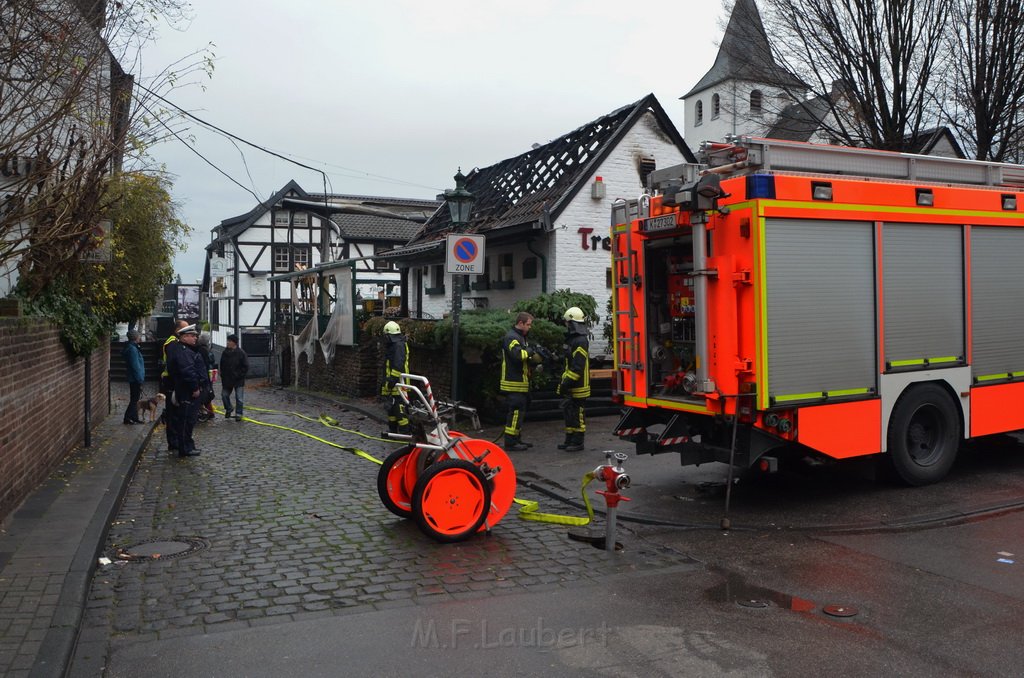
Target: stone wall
[
  {"x": 42, "y": 404},
  {"x": 356, "y": 371}
]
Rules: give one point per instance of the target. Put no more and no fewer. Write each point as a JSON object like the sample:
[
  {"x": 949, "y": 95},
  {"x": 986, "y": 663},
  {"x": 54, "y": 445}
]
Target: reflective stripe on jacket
[
  {"x": 577, "y": 366},
  {"x": 163, "y": 353},
  {"x": 396, "y": 361},
  {"x": 515, "y": 373}
]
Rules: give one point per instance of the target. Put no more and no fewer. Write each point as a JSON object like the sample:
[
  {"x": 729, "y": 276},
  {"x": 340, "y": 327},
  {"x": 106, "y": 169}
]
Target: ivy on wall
[{"x": 80, "y": 330}]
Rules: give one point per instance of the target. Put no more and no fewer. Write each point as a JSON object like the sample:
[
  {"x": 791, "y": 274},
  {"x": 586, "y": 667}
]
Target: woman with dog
[{"x": 136, "y": 376}]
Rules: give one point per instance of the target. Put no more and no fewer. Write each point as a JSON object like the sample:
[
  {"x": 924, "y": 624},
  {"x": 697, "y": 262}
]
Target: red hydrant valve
[
  {"x": 615, "y": 478},
  {"x": 612, "y": 498}
]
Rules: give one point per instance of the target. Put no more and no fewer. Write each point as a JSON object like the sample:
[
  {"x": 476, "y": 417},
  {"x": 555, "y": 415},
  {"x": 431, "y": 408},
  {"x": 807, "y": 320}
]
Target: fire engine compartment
[{"x": 670, "y": 317}]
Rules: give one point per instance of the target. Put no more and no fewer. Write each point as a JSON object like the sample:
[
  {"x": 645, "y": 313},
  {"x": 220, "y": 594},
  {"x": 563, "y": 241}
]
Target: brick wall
[
  {"x": 355, "y": 371},
  {"x": 42, "y": 404}
]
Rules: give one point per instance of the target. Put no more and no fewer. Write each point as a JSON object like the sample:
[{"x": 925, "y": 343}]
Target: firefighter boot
[
  {"x": 512, "y": 444},
  {"x": 576, "y": 444},
  {"x": 567, "y": 442}
]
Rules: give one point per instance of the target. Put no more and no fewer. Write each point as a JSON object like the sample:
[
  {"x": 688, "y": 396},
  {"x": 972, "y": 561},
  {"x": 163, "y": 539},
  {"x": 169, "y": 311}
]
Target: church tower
[{"x": 745, "y": 89}]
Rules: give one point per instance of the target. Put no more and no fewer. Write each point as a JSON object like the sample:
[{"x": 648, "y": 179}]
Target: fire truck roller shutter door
[
  {"x": 923, "y": 292},
  {"x": 997, "y": 330},
  {"x": 820, "y": 287},
  {"x": 997, "y": 278}
]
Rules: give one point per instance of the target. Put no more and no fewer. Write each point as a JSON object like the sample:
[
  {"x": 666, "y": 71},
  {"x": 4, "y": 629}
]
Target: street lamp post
[{"x": 460, "y": 203}]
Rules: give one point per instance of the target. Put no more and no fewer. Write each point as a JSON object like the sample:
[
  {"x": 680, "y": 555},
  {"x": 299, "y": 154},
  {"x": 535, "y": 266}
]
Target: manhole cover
[
  {"x": 840, "y": 610},
  {"x": 752, "y": 602},
  {"x": 152, "y": 549}
]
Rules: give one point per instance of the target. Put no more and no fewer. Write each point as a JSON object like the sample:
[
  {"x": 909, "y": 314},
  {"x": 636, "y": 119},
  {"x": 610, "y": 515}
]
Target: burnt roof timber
[{"x": 534, "y": 187}]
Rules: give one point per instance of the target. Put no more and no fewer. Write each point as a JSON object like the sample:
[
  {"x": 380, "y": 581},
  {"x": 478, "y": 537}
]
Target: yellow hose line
[
  {"x": 354, "y": 450},
  {"x": 529, "y": 509},
  {"x": 326, "y": 421}
]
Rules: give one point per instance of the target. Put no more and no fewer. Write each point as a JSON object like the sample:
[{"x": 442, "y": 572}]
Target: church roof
[
  {"x": 799, "y": 121},
  {"x": 745, "y": 54}
]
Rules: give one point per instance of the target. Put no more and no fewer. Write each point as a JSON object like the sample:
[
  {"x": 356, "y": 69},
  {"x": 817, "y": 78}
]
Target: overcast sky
[{"x": 390, "y": 97}]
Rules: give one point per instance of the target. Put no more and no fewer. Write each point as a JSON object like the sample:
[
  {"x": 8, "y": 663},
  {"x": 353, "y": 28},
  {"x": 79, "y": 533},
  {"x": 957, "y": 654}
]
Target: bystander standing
[
  {"x": 234, "y": 365},
  {"x": 136, "y": 369}
]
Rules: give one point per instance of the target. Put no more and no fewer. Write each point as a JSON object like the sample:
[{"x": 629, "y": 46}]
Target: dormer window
[{"x": 716, "y": 106}]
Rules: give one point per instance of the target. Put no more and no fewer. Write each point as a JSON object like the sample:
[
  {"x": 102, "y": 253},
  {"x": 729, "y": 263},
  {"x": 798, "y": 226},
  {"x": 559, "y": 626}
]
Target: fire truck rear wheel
[{"x": 924, "y": 435}]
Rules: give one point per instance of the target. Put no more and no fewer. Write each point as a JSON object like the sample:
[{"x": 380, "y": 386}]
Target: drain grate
[{"x": 159, "y": 548}]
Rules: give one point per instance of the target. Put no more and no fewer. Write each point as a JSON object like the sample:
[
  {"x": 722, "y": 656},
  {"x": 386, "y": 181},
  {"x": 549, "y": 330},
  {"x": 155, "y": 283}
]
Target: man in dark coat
[
  {"x": 136, "y": 369},
  {"x": 206, "y": 412},
  {"x": 234, "y": 365},
  {"x": 188, "y": 375},
  {"x": 170, "y": 346}
]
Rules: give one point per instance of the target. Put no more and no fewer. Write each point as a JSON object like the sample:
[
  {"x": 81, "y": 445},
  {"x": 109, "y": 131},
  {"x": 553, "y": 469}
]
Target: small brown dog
[{"x": 150, "y": 406}]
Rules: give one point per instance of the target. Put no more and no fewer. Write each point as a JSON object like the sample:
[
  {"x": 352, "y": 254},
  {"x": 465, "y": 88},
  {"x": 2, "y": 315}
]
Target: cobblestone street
[{"x": 290, "y": 528}]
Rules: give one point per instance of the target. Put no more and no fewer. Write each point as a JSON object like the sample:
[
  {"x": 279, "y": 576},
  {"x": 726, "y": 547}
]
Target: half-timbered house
[{"x": 294, "y": 230}]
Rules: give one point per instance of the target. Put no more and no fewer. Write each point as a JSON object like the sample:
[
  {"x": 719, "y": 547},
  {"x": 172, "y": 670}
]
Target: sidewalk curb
[{"x": 58, "y": 646}]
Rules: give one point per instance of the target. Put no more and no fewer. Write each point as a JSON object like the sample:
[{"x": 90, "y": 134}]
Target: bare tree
[
  {"x": 68, "y": 113},
  {"x": 985, "y": 104},
  {"x": 868, "y": 65}
]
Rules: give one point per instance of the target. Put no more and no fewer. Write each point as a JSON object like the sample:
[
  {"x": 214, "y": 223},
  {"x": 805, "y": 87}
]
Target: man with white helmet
[
  {"x": 396, "y": 361},
  {"x": 575, "y": 384}
]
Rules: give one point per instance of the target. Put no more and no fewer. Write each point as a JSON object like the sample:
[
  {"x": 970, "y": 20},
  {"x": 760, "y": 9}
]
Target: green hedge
[{"x": 480, "y": 335}]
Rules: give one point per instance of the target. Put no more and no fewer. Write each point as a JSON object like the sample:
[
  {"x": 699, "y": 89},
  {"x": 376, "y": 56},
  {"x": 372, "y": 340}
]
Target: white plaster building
[{"x": 546, "y": 215}]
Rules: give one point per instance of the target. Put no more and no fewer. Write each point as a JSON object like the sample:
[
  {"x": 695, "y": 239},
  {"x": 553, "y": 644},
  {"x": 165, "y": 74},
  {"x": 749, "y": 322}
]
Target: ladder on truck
[
  {"x": 625, "y": 275},
  {"x": 742, "y": 155}
]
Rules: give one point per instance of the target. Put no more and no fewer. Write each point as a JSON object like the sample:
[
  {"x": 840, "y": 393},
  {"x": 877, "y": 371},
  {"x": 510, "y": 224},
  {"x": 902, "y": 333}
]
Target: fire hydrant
[{"x": 615, "y": 478}]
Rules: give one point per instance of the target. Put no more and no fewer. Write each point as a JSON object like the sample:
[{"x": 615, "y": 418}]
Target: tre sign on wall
[{"x": 465, "y": 254}]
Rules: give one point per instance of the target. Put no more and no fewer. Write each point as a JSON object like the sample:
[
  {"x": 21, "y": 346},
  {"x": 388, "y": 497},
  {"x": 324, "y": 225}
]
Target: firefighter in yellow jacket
[
  {"x": 396, "y": 361},
  {"x": 575, "y": 384},
  {"x": 516, "y": 356}
]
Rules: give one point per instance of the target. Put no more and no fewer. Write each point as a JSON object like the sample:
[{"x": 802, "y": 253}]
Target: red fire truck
[{"x": 784, "y": 297}]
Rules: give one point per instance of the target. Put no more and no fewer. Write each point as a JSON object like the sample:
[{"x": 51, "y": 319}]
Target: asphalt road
[{"x": 300, "y": 570}]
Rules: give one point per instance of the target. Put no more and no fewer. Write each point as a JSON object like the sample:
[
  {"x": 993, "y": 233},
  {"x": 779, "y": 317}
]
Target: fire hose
[{"x": 529, "y": 509}]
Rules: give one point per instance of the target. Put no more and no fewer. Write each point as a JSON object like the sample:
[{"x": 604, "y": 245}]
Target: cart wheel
[
  {"x": 503, "y": 484},
  {"x": 392, "y": 484},
  {"x": 451, "y": 500}
]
